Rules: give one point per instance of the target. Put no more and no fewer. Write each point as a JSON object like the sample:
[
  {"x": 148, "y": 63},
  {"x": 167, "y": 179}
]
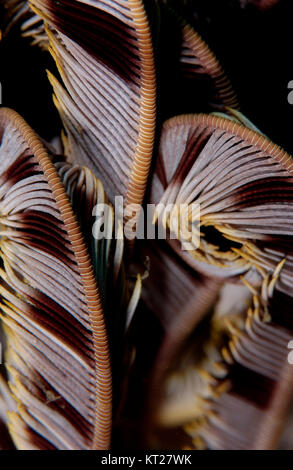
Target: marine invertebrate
[
  {"x": 234, "y": 375},
  {"x": 47, "y": 281},
  {"x": 114, "y": 122},
  {"x": 204, "y": 150},
  {"x": 205, "y": 355}
]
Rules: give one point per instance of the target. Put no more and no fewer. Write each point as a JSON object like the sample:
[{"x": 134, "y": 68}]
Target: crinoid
[{"x": 146, "y": 259}]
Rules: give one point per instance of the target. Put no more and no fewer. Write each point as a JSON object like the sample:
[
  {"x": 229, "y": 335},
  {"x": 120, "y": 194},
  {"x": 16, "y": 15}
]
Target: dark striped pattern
[
  {"x": 104, "y": 54},
  {"x": 57, "y": 357},
  {"x": 244, "y": 185}
]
